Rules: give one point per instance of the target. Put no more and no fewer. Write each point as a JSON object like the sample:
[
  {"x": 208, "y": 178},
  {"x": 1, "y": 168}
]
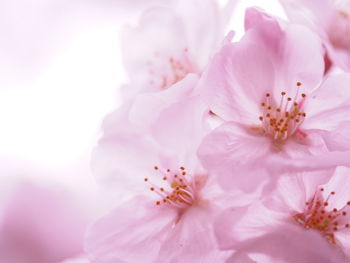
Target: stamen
[
  {"x": 318, "y": 216},
  {"x": 283, "y": 121},
  {"x": 179, "y": 191}
]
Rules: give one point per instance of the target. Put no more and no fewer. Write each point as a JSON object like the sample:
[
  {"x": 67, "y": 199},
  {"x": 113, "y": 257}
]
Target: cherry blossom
[
  {"x": 174, "y": 199},
  {"x": 275, "y": 104},
  {"x": 172, "y": 41},
  {"x": 305, "y": 220}
]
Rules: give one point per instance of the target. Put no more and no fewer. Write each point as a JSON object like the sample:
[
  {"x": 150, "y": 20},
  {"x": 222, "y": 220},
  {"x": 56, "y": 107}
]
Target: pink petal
[
  {"x": 236, "y": 156},
  {"x": 338, "y": 139},
  {"x": 299, "y": 44},
  {"x": 339, "y": 57},
  {"x": 192, "y": 239},
  {"x": 339, "y": 183},
  {"x": 327, "y": 106},
  {"x": 240, "y": 258},
  {"x": 164, "y": 128},
  {"x": 133, "y": 232},
  {"x": 238, "y": 224},
  {"x": 324, "y": 18},
  {"x": 312, "y": 153},
  {"x": 233, "y": 78},
  {"x": 181, "y": 128},
  {"x": 254, "y": 17},
  {"x": 289, "y": 244},
  {"x": 315, "y": 14},
  {"x": 146, "y": 108},
  {"x": 112, "y": 159},
  {"x": 344, "y": 240},
  {"x": 318, "y": 162},
  {"x": 294, "y": 189},
  {"x": 204, "y": 22},
  {"x": 289, "y": 50}
]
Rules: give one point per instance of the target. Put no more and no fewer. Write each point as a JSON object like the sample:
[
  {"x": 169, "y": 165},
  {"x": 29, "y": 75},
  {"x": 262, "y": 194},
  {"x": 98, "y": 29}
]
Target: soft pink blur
[{"x": 40, "y": 225}]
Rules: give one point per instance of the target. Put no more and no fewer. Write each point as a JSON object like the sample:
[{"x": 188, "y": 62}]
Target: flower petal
[
  {"x": 192, "y": 239},
  {"x": 146, "y": 108},
  {"x": 289, "y": 244},
  {"x": 131, "y": 233},
  {"x": 238, "y": 224},
  {"x": 233, "y": 78},
  {"x": 315, "y": 14},
  {"x": 112, "y": 159},
  {"x": 329, "y": 105},
  {"x": 289, "y": 49},
  {"x": 236, "y": 156}
]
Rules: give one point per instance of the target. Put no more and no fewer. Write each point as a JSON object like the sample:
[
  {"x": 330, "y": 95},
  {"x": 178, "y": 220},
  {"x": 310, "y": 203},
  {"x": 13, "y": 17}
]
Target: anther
[{"x": 298, "y": 83}]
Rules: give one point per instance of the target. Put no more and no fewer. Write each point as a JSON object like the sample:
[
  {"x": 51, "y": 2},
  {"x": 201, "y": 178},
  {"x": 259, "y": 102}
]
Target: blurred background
[{"x": 60, "y": 69}]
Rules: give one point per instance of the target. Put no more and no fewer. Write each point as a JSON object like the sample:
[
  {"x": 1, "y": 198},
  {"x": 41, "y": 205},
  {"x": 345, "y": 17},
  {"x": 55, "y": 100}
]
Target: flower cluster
[{"x": 231, "y": 150}]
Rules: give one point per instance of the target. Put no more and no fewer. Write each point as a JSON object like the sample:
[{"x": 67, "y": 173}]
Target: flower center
[
  {"x": 179, "y": 189},
  {"x": 321, "y": 216},
  {"x": 172, "y": 71},
  {"x": 282, "y": 121}
]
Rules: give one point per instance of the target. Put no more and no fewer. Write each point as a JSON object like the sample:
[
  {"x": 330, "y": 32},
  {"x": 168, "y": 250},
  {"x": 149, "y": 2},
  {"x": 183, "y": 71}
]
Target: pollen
[
  {"x": 176, "y": 189},
  {"x": 320, "y": 216},
  {"x": 281, "y": 120}
]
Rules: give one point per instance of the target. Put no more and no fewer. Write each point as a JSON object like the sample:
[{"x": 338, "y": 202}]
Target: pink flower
[
  {"x": 330, "y": 19},
  {"x": 154, "y": 158},
  {"x": 304, "y": 221},
  {"x": 171, "y": 42},
  {"x": 38, "y": 225},
  {"x": 267, "y": 90}
]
